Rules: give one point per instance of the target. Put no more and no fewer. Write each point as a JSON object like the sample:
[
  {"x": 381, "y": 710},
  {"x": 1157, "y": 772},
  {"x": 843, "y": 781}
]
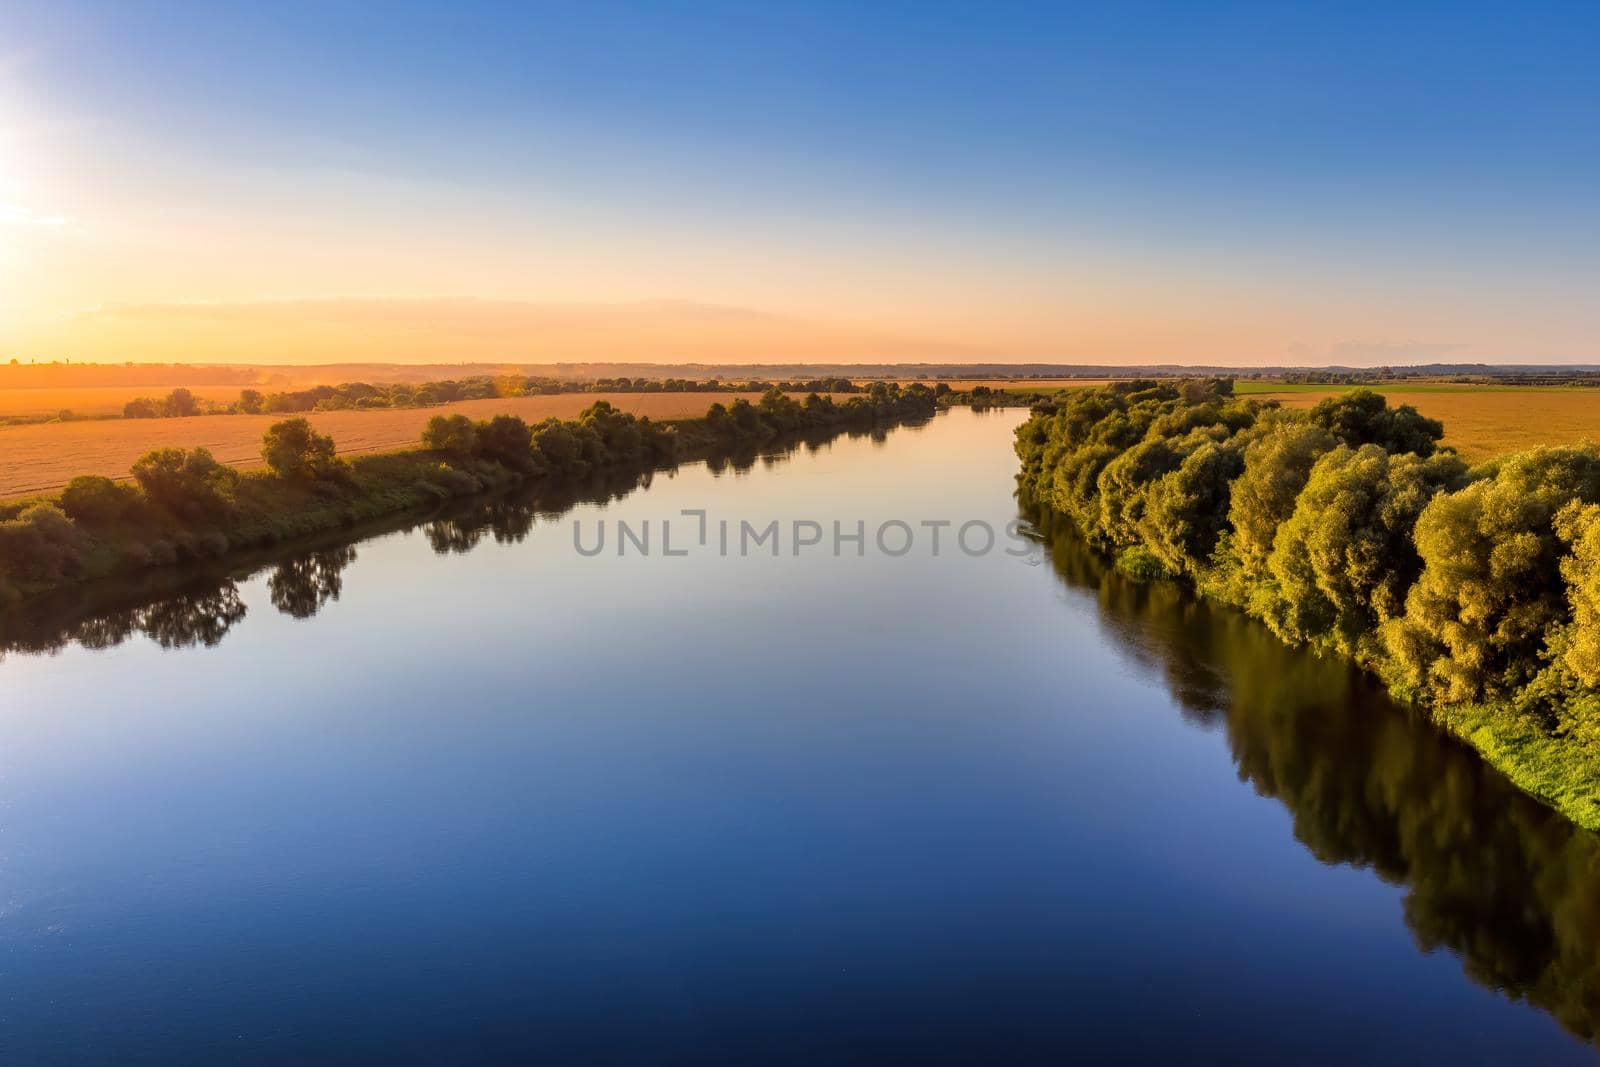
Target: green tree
[
  {"x": 91, "y": 499},
  {"x": 191, "y": 485},
  {"x": 1344, "y": 560},
  {"x": 1276, "y": 466},
  {"x": 1363, "y": 417},
  {"x": 780, "y": 410},
  {"x": 1566, "y": 692},
  {"x": 1490, "y": 594},
  {"x": 558, "y": 448},
  {"x": 294, "y": 449},
  {"x": 450, "y": 433},
  {"x": 40, "y": 544},
  {"x": 180, "y": 403},
  {"x": 1122, "y": 485},
  {"x": 1579, "y": 526},
  {"x": 1187, "y": 509},
  {"x": 508, "y": 439},
  {"x": 616, "y": 433}
]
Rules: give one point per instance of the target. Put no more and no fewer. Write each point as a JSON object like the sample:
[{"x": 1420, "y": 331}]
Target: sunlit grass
[{"x": 1558, "y": 771}]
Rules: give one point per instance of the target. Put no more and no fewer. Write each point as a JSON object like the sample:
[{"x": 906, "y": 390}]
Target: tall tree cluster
[{"x": 1346, "y": 528}]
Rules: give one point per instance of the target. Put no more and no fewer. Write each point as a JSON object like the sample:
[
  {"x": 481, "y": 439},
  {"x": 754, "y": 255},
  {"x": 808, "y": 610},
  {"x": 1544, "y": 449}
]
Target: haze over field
[{"x": 316, "y": 183}]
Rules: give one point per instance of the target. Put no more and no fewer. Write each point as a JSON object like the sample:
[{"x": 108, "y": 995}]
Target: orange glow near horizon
[{"x": 160, "y": 225}]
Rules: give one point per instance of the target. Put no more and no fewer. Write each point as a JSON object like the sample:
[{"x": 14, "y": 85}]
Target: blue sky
[{"x": 1275, "y": 182}]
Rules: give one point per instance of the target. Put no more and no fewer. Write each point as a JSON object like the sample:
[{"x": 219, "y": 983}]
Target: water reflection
[
  {"x": 508, "y": 520},
  {"x": 197, "y": 605},
  {"x": 301, "y": 586},
  {"x": 1509, "y": 887},
  {"x": 201, "y": 613}
]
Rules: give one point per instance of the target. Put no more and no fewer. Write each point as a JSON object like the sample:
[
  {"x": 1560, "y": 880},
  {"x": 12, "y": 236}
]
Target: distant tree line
[
  {"x": 181, "y": 402},
  {"x": 182, "y": 504},
  {"x": 1345, "y": 527},
  {"x": 983, "y": 397}
]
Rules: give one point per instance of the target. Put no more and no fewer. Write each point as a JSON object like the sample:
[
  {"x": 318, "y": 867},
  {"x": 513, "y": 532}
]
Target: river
[{"x": 467, "y": 791}]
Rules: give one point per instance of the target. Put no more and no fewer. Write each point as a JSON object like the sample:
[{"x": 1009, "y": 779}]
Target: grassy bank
[
  {"x": 1559, "y": 771},
  {"x": 1498, "y": 879},
  {"x": 1473, "y": 592},
  {"x": 184, "y": 507}
]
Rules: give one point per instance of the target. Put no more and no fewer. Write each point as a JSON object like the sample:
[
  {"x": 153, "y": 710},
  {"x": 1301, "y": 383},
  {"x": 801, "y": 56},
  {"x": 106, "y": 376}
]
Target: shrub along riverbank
[
  {"x": 1473, "y": 592},
  {"x": 185, "y": 506}
]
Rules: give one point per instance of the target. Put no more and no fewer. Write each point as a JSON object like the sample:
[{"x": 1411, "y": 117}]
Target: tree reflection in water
[
  {"x": 201, "y": 614},
  {"x": 509, "y": 520},
  {"x": 1509, "y": 887},
  {"x": 301, "y": 586},
  {"x": 1505, "y": 884},
  {"x": 200, "y": 604}
]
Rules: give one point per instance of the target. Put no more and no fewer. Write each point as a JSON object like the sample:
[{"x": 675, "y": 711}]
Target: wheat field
[
  {"x": 1480, "y": 421},
  {"x": 42, "y": 457}
]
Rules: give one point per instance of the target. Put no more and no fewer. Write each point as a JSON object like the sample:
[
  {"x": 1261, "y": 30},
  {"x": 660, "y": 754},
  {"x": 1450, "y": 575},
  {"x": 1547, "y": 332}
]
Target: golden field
[
  {"x": 1480, "y": 421},
  {"x": 42, "y": 457}
]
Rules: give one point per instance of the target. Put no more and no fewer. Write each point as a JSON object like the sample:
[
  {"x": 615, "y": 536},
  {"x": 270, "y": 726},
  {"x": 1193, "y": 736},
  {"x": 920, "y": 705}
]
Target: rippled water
[{"x": 462, "y": 792}]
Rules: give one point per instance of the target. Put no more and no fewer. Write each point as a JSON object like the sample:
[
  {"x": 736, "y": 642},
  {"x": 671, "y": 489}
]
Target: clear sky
[{"x": 1119, "y": 182}]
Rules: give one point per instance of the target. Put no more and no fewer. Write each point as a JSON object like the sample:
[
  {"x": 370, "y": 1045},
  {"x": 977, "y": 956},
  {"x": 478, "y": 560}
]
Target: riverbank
[
  {"x": 1496, "y": 877},
  {"x": 1345, "y": 529},
  {"x": 187, "y": 507},
  {"x": 42, "y": 457}
]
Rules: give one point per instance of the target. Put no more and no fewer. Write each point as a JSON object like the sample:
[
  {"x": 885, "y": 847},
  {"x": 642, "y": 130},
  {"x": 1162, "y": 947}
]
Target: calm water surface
[{"x": 498, "y": 800}]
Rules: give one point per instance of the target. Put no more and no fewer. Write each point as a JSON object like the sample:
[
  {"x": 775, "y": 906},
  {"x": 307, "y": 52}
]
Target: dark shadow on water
[{"x": 1508, "y": 886}]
